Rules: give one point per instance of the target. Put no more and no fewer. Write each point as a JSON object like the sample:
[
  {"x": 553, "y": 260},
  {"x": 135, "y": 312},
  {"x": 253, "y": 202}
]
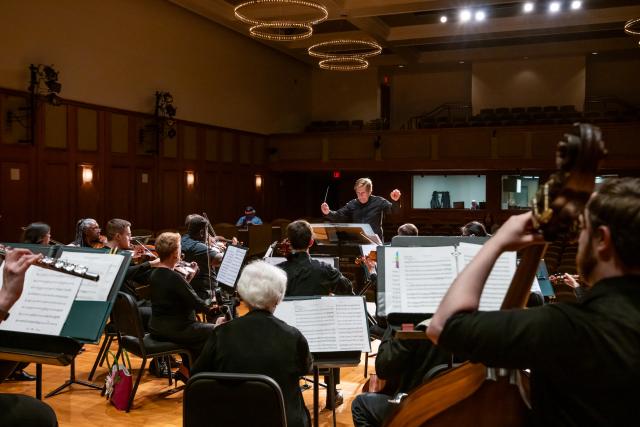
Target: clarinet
[{"x": 62, "y": 266}]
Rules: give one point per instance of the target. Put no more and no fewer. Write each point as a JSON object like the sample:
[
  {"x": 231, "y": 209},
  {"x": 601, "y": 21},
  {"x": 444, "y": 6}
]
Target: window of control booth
[
  {"x": 518, "y": 191},
  {"x": 449, "y": 191}
]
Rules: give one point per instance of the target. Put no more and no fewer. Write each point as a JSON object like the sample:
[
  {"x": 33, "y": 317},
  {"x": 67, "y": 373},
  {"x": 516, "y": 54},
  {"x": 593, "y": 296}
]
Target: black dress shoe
[{"x": 22, "y": 376}]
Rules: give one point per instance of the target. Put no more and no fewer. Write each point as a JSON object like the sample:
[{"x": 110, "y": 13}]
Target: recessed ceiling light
[
  {"x": 460, "y": 62},
  {"x": 400, "y": 66},
  {"x": 443, "y": 18},
  {"x": 528, "y": 7},
  {"x": 526, "y": 57},
  {"x": 576, "y": 4},
  {"x": 465, "y": 15},
  {"x": 554, "y": 7},
  {"x": 480, "y": 15},
  {"x": 594, "y": 53}
]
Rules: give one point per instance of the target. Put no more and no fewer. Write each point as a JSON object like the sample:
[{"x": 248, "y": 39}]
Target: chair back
[
  {"x": 216, "y": 398},
  {"x": 126, "y": 316},
  {"x": 260, "y": 238}
]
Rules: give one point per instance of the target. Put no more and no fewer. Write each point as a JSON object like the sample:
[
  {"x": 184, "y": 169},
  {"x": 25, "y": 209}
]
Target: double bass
[{"x": 473, "y": 394}]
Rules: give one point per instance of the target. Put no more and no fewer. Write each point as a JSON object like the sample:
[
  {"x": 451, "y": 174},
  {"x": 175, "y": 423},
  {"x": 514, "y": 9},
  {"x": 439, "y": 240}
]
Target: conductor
[{"x": 365, "y": 209}]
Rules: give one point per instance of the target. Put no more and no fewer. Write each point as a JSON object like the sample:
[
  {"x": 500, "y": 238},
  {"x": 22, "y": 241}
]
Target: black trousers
[
  {"x": 371, "y": 409},
  {"x": 193, "y": 338}
]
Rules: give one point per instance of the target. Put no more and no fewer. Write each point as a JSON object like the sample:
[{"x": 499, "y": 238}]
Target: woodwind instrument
[{"x": 61, "y": 266}]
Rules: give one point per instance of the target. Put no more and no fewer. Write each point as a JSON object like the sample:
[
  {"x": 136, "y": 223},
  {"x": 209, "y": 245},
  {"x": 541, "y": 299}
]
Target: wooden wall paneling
[
  {"x": 16, "y": 130},
  {"x": 228, "y": 141},
  {"x": 258, "y": 150},
  {"x": 145, "y": 211},
  {"x": 227, "y": 192},
  {"x": 15, "y": 200},
  {"x": 296, "y": 147},
  {"x": 189, "y": 142},
  {"x": 212, "y": 145},
  {"x": 511, "y": 144},
  {"x": 55, "y": 125},
  {"x": 118, "y": 133},
  {"x": 89, "y": 202},
  {"x": 169, "y": 147},
  {"x": 465, "y": 144},
  {"x": 244, "y": 149},
  {"x": 406, "y": 146},
  {"x": 544, "y": 142},
  {"x": 87, "y": 129},
  {"x": 171, "y": 180},
  {"x": 56, "y": 201},
  {"x": 212, "y": 196},
  {"x": 621, "y": 142},
  {"x": 358, "y": 146},
  {"x": 119, "y": 192}
]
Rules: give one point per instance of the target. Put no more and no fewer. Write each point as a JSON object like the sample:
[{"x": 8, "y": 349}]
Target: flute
[{"x": 62, "y": 266}]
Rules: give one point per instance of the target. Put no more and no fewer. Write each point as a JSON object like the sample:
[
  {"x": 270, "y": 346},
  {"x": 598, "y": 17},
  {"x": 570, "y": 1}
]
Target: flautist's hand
[{"x": 16, "y": 263}]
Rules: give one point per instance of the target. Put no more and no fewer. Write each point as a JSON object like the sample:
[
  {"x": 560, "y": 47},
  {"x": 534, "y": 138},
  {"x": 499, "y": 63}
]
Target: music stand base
[{"x": 72, "y": 380}]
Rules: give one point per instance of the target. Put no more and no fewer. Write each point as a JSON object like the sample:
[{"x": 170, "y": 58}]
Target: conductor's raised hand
[
  {"x": 325, "y": 208},
  {"x": 395, "y": 195},
  {"x": 517, "y": 233}
]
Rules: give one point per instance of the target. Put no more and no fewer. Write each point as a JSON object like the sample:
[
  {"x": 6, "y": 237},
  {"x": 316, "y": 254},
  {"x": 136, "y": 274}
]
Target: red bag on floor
[{"x": 119, "y": 385}]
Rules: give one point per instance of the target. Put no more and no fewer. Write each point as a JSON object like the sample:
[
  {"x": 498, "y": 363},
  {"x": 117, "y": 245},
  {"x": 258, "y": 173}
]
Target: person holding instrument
[
  {"x": 17, "y": 409},
  {"x": 365, "y": 209},
  {"x": 207, "y": 257},
  {"x": 88, "y": 234},
  {"x": 583, "y": 357},
  {"x": 174, "y": 302},
  {"x": 38, "y": 233}
]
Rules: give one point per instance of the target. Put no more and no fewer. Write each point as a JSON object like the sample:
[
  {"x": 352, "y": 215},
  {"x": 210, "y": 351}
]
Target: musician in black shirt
[
  {"x": 307, "y": 276},
  {"x": 365, "y": 209},
  {"x": 583, "y": 357},
  {"x": 206, "y": 256},
  {"x": 174, "y": 302}
]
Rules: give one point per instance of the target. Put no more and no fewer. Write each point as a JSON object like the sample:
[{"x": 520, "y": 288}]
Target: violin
[
  {"x": 459, "y": 396},
  {"x": 142, "y": 252},
  {"x": 370, "y": 261},
  {"x": 283, "y": 247},
  {"x": 187, "y": 270}
]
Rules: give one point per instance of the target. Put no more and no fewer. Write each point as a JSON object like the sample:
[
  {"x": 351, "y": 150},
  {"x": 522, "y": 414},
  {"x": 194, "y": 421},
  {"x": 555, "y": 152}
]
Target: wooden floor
[{"x": 153, "y": 406}]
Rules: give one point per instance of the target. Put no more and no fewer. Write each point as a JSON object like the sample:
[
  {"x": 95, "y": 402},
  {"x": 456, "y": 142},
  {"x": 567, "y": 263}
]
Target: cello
[{"x": 461, "y": 396}]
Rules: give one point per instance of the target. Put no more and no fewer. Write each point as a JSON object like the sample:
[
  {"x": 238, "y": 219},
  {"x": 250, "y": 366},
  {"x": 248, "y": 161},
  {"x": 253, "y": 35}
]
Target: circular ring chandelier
[
  {"x": 275, "y": 31},
  {"x": 344, "y": 55},
  {"x": 352, "y": 63},
  {"x": 632, "y": 27},
  {"x": 281, "y": 29},
  {"x": 345, "y": 48}
]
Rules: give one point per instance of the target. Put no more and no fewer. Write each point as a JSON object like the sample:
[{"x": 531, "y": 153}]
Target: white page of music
[
  {"x": 106, "y": 265},
  {"x": 231, "y": 264},
  {"x": 328, "y": 323},
  {"x": 499, "y": 279},
  {"x": 416, "y": 279},
  {"x": 45, "y": 302}
]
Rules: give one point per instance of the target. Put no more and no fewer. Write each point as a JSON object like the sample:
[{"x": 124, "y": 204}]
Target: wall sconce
[
  {"x": 87, "y": 174},
  {"x": 191, "y": 179},
  {"x": 258, "y": 182}
]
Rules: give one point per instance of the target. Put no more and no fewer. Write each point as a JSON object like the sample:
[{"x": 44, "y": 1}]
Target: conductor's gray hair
[{"x": 262, "y": 285}]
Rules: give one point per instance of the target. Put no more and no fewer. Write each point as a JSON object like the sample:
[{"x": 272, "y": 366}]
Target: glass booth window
[
  {"x": 518, "y": 190},
  {"x": 449, "y": 191}
]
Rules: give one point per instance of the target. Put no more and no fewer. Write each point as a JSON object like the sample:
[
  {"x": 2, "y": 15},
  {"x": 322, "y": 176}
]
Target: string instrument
[
  {"x": 186, "y": 270},
  {"x": 142, "y": 252},
  {"x": 61, "y": 266},
  {"x": 370, "y": 261},
  {"x": 283, "y": 247},
  {"x": 463, "y": 396}
]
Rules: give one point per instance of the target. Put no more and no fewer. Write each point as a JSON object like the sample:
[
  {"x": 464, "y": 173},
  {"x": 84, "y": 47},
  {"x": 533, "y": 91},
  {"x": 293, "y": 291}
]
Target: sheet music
[
  {"x": 231, "y": 265},
  {"x": 328, "y": 323},
  {"x": 416, "y": 278},
  {"x": 499, "y": 279},
  {"x": 45, "y": 302},
  {"x": 366, "y": 249},
  {"x": 106, "y": 265}
]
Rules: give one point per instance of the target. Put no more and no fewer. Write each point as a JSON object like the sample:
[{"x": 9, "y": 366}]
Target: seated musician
[
  {"x": 119, "y": 239},
  {"x": 88, "y": 234},
  {"x": 306, "y": 276},
  {"x": 583, "y": 357},
  {"x": 174, "y": 302},
  {"x": 474, "y": 228},
  {"x": 37, "y": 233},
  {"x": 259, "y": 343},
  {"x": 16, "y": 409},
  {"x": 403, "y": 364},
  {"x": 207, "y": 257},
  {"x": 407, "y": 229},
  {"x": 309, "y": 277},
  {"x": 249, "y": 218}
]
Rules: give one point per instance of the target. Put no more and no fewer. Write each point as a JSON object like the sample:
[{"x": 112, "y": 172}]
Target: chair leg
[
  {"x": 135, "y": 386},
  {"x": 366, "y": 365},
  {"x": 167, "y": 360},
  {"x": 102, "y": 353}
]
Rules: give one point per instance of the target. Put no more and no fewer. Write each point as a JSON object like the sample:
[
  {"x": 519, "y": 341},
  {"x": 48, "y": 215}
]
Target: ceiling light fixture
[
  {"x": 443, "y": 19},
  {"x": 280, "y": 29},
  {"x": 480, "y": 15},
  {"x": 344, "y": 55},
  {"x": 344, "y": 64},
  {"x": 528, "y": 7},
  {"x": 465, "y": 15},
  {"x": 554, "y": 7},
  {"x": 576, "y": 4},
  {"x": 632, "y": 26}
]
